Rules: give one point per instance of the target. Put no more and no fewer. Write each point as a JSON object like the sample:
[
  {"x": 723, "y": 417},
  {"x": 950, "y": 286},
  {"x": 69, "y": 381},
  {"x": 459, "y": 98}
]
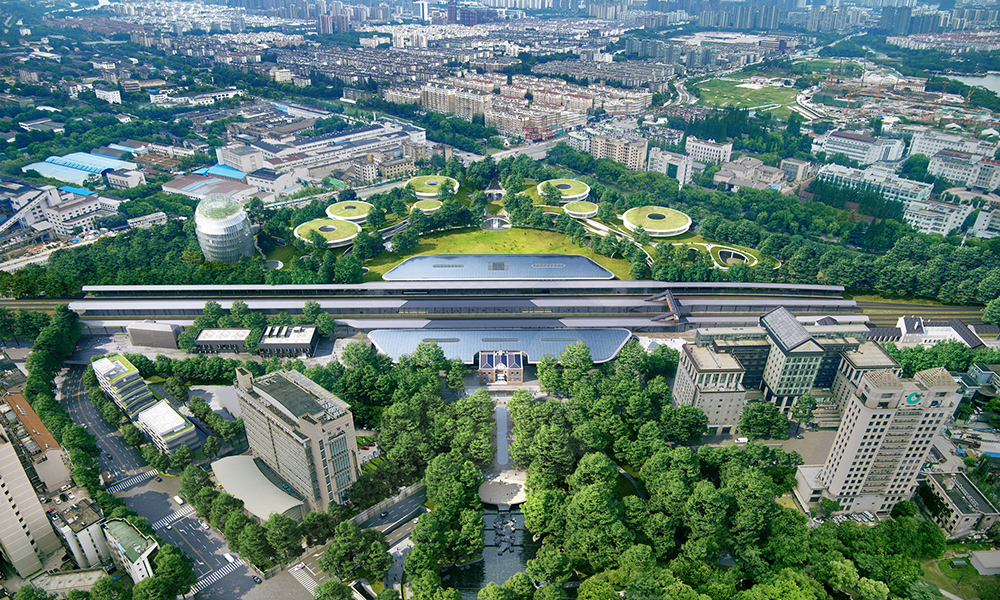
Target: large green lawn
[
  {"x": 516, "y": 240},
  {"x": 719, "y": 92}
]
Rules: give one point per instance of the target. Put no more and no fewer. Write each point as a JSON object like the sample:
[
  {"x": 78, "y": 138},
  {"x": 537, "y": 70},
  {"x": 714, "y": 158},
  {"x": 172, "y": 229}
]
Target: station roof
[
  {"x": 241, "y": 477},
  {"x": 604, "y": 344},
  {"x": 487, "y": 267}
]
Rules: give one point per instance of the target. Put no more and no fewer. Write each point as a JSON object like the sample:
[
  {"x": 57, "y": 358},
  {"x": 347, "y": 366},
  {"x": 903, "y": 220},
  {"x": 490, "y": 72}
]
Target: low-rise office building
[
  {"x": 222, "y": 339},
  {"x": 288, "y": 340},
  {"x": 153, "y": 334},
  {"x": 960, "y": 508},
  {"x": 121, "y": 381},
  {"x": 167, "y": 428},
  {"x": 795, "y": 170},
  {"x": 863, "y": 148},
  {"x": 708, "y": 151},
  {"x": 672, "y": 164},
  {"x": 501, "y": 366},
  {"x": 713, "y": 382}
]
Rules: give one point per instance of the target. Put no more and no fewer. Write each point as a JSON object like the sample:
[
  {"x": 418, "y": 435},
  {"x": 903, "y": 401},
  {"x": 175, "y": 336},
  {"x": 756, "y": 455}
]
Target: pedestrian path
[
  {"x": 214, "y": 576},
  {"x": 305, "y": 579},
  {"x": 167, "y": 520},
  {"x": 133, "y": 480}
]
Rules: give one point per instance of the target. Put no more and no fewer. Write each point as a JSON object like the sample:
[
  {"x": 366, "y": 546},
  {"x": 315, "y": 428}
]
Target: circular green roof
[
  {"x": 580, "y": 206},
  {"x": 567, "y": 187},
  {"x": 218, "y": 207},
  {"x": 331, "y": 229},
  {"x": 654, "y": 218},
  {"x": 427, "y": 204},
  {"x": 348, "y": 209},
  {"x": 432, "y": 184}
]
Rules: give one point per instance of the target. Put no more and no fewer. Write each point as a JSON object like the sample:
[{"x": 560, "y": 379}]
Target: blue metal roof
[
  {"x": 604, "y": 344},
  {"x": 226, "y": 171},
  {"x": 93, "y": 163},
  {"x": 76, "y": 190},
  {"x": 60, "y": 172},
  {"x": 470, "y": 267}
]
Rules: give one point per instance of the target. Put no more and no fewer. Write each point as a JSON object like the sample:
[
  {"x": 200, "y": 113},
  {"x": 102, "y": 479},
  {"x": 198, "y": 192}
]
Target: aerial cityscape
[{"x": 500, "y": 300}]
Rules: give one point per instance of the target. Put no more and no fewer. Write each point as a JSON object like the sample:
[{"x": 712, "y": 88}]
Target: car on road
[
  {"x": 159, "y": 479},
  {"x": 383, "y": 514},
  {"x": 169, "y": 527},
  {"x": 257, "y": 579}
]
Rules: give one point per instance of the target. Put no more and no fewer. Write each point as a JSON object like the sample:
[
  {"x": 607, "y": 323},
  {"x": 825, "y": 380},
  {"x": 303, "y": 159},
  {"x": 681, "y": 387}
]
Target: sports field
[{"x": 724, "y": 92}]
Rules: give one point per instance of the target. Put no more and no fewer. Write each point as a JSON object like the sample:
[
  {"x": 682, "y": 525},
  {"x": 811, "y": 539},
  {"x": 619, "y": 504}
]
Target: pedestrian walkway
[
  {"x": 185, "y": 510},
  {"x": 214, "y": 576},
  {"x": 303, "y": 577},
  {"x": 133, "y": 480}
]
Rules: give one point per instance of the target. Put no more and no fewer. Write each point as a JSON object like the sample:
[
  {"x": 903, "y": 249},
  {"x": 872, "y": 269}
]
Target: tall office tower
[
  {"x": 713, "y": 382},
  {"x": 422, "y": 10},
  {"x": 303, "y": 432},
  {"x": 25, "y": 533},
  {"x": 886, "y": 433},
  {"x": 452, "y": 11}
]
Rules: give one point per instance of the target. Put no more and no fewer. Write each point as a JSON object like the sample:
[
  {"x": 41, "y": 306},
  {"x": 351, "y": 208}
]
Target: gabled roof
[{"x": 785, "y": 329}]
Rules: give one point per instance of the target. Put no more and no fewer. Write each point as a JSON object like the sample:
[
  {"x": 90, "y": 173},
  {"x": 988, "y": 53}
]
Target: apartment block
[
  {"x": 26, "y": 537},
  {"x": 629, "y": 150},
  {"x": 131, "y": 550},
  {"x": 713, "y": 382},
  {"x": 672, "y": 164},
  {"x": 707, "y": 151},
  {"x": 301, "y": 431},
  {"x": 81, "y": 528},
  {"x": 121, "y": 381},
  {"x": 884, "y": 438},
  {"x": 964, "y": 168},
  {"x": 245, "y": 159}
]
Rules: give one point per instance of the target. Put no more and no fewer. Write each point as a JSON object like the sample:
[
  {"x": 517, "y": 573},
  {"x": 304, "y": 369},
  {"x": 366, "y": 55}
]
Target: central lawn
[
  {"x": 285, "y": 254},
  {"x": 717, "y": 92},
  {"x": 516, "y": 240}
]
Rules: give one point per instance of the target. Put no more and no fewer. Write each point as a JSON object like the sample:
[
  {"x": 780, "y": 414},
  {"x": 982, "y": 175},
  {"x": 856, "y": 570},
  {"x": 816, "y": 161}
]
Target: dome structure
[{"x": 223, "y": 229}]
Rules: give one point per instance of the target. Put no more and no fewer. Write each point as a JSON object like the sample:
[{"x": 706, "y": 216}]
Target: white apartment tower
[
  {"x": 25, "y": 532},
  {"x": 885, "y": 435}
]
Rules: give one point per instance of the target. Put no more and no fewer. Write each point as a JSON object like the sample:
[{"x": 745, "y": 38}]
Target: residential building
[
  {"x": 713, "y": 382},
  {"x": 242, "y": 158},
  {"x": 932, "y": 141},
  {"x": 501, "y": 367},
  {"x": 131, "y": 550},
  {"x": 862, "y": 148},
  {"x": 122, "y": 382},
  {"x": 167, "y": 428},
  {"x": 147, "y": 221},
  {"x": 302, "y": 432},
  {"x": 672, "y": 164},
  {"x": 26, "y": 537},
  {"x": 707, "y": 151},
  {"x": 961, "y": 509},
  {"x": 122, "y": 179},
  {"x": 45, "y": 462},
  {"x": 580, "y": 141},
  {"x": 795, "y": 170},
  {"x": 288, "y": 340},
  {"x": 936, "y": 216},
  {"x": 885, "y": 436},
  {"x": 112, "y": 96},
  {"x": 80, "y": 527},
  {"x": 396, "y": 167},
  {"x": 629, "y": 150}
]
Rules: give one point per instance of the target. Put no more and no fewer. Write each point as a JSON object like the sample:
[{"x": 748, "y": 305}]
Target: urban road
[{"x": 136, "y": 485}]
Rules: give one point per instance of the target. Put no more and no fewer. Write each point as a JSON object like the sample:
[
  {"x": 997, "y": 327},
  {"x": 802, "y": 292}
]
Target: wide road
[
  {"x": 397, "y": 512},
  {"x": 118, "y": 459},
  {"x": 886, "y": 313}
]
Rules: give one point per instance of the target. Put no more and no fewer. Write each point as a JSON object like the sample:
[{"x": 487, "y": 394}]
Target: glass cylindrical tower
[{"x": 223, "y": 229}]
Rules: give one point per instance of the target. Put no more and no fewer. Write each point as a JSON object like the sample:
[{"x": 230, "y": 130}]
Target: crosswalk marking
[
  {"x": 185, "y": 510},
  {"x": 127, "y": 483},
  {"x": 214, "y": 576},
  {"x": 306, "y": 581}
]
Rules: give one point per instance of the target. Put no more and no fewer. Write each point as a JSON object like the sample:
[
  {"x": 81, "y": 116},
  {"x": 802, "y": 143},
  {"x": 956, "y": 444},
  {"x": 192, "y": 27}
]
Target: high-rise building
[
  {"x": 80, "y": 527},
  {"x": 678, "y": 166},
  {"x": 223, "y": 229},
  {"x": 885, "y": 435},
  {"x": 25, "y": 533},
  {"x": 713, "y": 382},
  {"x": 326, "y": 23},
  {"x": 452, "y": 11},
  {"x": 303, "y": 432},
  {"x": 629, "y": 150}
]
